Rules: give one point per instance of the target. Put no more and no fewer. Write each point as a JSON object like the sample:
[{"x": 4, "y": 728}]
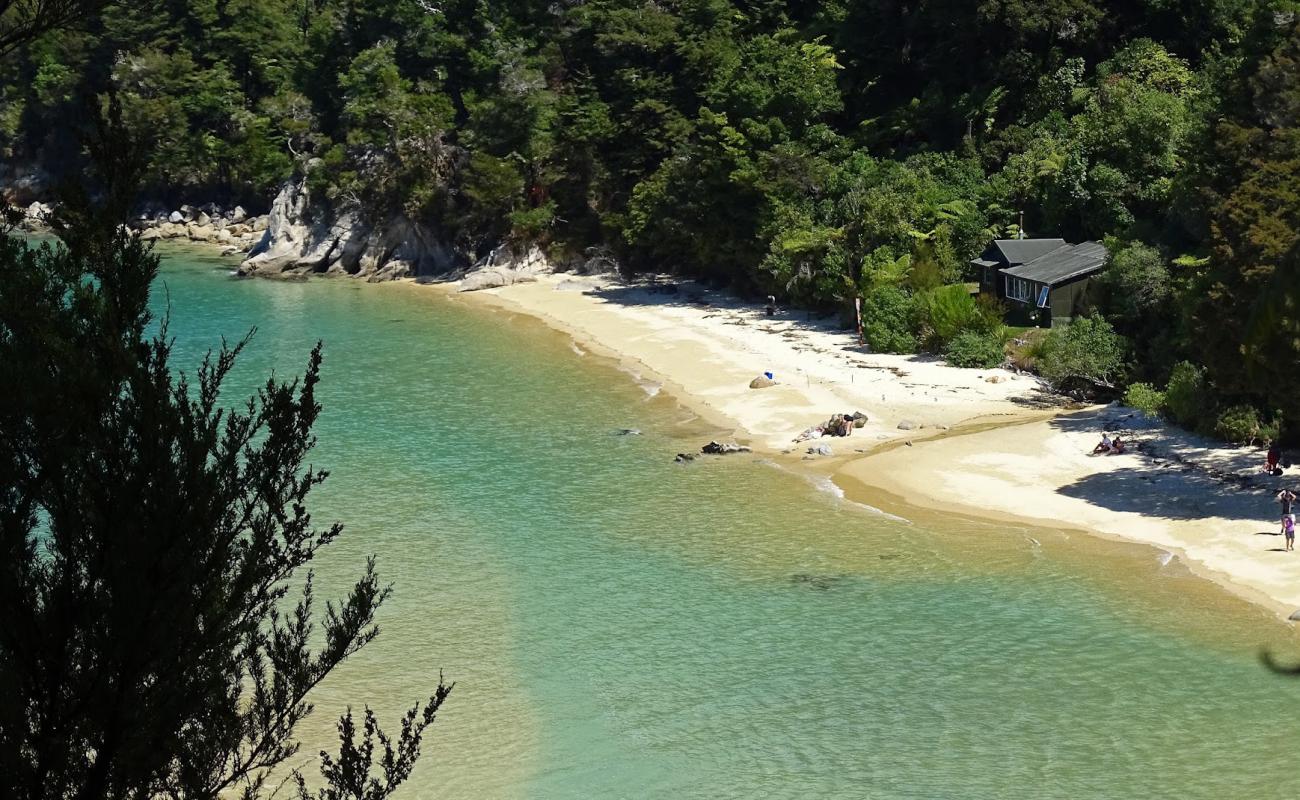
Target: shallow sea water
[{"x": 619, "y": 625}]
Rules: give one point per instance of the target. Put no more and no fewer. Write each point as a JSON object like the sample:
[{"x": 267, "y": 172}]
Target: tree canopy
[{"x": 802, "y": 149}]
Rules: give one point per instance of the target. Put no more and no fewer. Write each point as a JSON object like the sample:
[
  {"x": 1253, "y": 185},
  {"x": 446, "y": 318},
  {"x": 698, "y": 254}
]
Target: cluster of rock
[
  {"x": 36, "y": 216},
  {"x": 231, "y": 229},
  {"x": 505, "y": 267},
  {"x": 307, "y": 238},
  {"x": 713, "y": 448}
]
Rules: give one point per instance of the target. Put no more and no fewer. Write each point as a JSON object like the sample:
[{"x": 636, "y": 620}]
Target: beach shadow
[
  {"x": 680, "y": 293},
  {"x": 1277, "y": 550},
  {"x": 665, "y": 293},
  {"x": 1166, "y": 443},
  {"x": 1174, "y": 495},
  {"x": 1174, "y": 474}
]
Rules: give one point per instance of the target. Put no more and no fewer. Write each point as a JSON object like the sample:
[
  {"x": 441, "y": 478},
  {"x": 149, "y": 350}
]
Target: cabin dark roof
[
  {"x": 1061, "y": 264},
  {"x": 1022, "y": 251}
]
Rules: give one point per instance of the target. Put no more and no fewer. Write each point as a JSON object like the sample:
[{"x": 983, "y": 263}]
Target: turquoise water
[{"x": 622, "y": 626}]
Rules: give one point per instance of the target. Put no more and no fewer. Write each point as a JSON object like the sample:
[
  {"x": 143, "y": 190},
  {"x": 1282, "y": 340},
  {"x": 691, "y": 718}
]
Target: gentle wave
[
  {"x": 651, "y": 388},
  {"x": 826, "y": 485}
]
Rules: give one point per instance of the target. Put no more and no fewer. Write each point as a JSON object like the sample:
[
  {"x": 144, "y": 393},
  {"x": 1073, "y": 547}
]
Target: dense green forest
[{"x": 818, "y": 150}]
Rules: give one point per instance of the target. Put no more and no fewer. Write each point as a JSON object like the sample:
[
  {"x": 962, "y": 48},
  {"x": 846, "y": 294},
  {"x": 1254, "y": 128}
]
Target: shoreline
[
  {"x": 886, "y": 492},
  {"x": 1028, "y": 466},
  {"x": 963, "y": 424}
]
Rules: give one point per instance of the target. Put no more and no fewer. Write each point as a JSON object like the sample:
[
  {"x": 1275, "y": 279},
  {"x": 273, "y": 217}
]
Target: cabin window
[
  {"x": 1020, "y": 289},
  {"x": 1044, "y": 294}
]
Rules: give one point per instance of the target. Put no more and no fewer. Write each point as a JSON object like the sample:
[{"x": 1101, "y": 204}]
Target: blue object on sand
[{"x": 767, "y": 375}]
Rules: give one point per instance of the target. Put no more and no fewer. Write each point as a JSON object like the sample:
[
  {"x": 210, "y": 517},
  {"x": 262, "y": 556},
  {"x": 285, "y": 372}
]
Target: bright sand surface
[{"x": 980, "y": 441}]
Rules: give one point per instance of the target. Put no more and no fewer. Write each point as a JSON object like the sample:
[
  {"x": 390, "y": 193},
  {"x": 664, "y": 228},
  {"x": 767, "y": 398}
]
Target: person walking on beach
[
  {"x": 1287, "y": 498},
  {"x": 1288, "y": 528}
]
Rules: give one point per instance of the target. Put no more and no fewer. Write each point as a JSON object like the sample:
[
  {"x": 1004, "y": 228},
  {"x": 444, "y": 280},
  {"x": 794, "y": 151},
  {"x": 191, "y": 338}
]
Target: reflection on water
[{"x": 619, "y": 625}]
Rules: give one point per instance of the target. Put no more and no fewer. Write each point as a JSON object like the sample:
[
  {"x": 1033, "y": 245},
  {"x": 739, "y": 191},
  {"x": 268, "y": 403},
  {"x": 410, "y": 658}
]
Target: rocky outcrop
[
  {"x": 22, "y": 185},
  {"x": 37, "y": 216},
  {"x": 299, "y": 237},
  {"x": 713, "y": 448},
  {"x": 716, "y": 448},
  {"x": 506, "y": 267}
]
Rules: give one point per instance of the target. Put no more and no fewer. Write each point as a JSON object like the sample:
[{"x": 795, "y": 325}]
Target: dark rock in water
[
  {"x": 720, "y": 449},
  {"x": 684, "y": 458},
  {"x": 1295, "y": 616},
  {"x": 627, "y": 432},
  {"x": 822, "y": 582}
]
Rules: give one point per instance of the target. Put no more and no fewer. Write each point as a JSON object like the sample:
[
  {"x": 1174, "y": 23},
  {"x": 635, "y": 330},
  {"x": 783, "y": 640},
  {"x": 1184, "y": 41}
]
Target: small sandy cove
[{"x": 988, "y": 443}]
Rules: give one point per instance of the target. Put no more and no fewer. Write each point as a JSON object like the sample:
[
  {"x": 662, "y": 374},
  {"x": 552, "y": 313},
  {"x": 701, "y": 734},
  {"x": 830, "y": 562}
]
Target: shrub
[
  {"x": 1185, "y": 395},
  {"x": 1026, "y": 347},
  {"x": 887, "y": 320},
  {"x": 1086, "y": 351},
  {"x": 1145, "y": 398},
  {"x": 1270, "y": 431},
  {"x": 1238, "y": 424},
  {"x": 944, "y": 312},
  {"x": 992, "y": 312},
  {"x": 974, "y": 349}
]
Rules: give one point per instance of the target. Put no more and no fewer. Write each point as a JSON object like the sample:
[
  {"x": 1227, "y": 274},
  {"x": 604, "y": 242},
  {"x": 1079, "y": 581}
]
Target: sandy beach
[
  {"x": 705, "y": 347},
  {"x": 986, "y": 443}
]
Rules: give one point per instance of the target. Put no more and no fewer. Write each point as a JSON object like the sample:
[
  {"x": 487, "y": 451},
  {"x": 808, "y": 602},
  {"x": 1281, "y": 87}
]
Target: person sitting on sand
[
  {"x": 1104, "y": 446},
  {"x": 1117, "y": 447}
]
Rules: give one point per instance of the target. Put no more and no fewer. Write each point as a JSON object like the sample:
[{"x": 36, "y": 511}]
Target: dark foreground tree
[
  {"x": 24, "y": 20},
  {"x": 150, "y": 540}
]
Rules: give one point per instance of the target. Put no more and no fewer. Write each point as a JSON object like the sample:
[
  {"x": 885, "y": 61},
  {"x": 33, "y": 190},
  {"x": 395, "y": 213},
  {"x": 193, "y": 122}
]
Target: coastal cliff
[
  {"x": 299, "y": 237},
  {"x": 303, "y": 237}
]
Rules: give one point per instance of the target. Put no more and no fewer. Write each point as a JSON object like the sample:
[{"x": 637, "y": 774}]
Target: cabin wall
[
  {"x": 1070, "y": 300},
  {"x": 991, "y": 282}
]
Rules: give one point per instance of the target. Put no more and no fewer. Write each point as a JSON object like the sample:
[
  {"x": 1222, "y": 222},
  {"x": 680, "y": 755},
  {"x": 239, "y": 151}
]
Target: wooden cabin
[{"x": 1045, "y": 281}]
